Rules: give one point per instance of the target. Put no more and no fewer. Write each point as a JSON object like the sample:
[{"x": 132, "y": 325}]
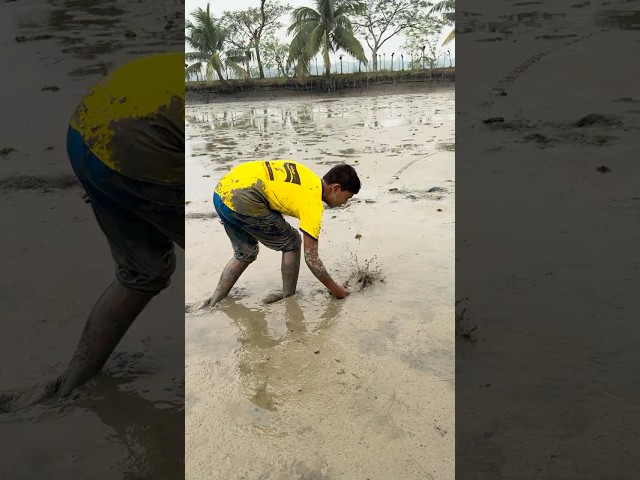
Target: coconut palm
[
  {"x": 448, "y": 10},
  {"x": 207, "y": 37},
  {"x": 326, "y": 28}
]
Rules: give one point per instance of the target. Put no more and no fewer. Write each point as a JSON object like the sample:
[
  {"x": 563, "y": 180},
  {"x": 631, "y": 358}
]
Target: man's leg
[
  {"x": 228, "y": 279},
  {"x": 108, "y": 321},
  {"x": 290, "y": 271},
  {"x": 140, "y": 221}
]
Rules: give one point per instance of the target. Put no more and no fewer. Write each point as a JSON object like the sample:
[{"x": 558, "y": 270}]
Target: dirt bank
[{"x": 355, "y": 83}]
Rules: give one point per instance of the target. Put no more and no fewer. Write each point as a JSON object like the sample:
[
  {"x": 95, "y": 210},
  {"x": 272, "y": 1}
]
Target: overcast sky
[{"x": 217, "y": 7}]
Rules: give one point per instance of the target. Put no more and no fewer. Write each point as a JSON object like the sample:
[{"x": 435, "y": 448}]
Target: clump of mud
[{"x": 365, "y": 274}]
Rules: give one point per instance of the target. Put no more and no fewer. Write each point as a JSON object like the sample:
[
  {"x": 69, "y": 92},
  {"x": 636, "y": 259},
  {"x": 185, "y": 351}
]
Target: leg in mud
[
  {"x": 228, "y": 279},
  {"x": 290, "y": 270},
  {"x": 108, "y": 321}
]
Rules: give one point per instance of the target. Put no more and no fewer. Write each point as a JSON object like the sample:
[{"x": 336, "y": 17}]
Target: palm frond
[
  {"x": 443, "y": 6},
  {"x": 450, "y": 37},
  {"x": 237, "y": 69},
  {"x": 196, "y": 56},
  {"x": 302, "y": 15}
]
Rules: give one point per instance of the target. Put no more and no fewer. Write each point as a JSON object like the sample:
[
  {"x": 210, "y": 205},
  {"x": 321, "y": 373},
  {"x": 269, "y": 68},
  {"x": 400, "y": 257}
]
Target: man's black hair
[{"x": 345, "y": 176}]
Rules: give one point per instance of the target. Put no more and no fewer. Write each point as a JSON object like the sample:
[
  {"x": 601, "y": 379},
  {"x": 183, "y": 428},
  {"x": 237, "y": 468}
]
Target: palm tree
[
  {"x": 207, "y": 37},
  {"x": 448, "y": 10},
  {"x": 326, "y": 29}
]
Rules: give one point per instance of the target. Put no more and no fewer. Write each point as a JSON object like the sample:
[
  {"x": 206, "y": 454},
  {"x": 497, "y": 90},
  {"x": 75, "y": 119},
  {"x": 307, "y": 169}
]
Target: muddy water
[
  {"x": 315, "y": 387},
  {"x": 523, "y": 283},
  {"x": 129, "y": 423}
]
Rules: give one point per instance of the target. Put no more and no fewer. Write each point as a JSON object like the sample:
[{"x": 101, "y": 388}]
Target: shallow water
[{"x": 313, "y": 386}]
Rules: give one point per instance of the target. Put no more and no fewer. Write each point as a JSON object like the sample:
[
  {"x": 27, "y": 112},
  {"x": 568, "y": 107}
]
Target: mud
[
  {"x": 128, "y": 423},
  {"x": 545, "y": 155},
  {"x": 311, "y": 386}
]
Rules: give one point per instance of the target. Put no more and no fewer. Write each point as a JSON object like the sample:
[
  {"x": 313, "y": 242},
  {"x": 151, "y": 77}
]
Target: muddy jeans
[
  {"x": 140, "y": 220},
  {"x": 245, "y": 231}
]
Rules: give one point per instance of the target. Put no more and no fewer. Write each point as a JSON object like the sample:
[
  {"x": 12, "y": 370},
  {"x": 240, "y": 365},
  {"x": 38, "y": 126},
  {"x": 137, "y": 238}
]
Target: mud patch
[
  {"x": 447, "y": 147},
  {"x": 433, "y": 193},
  {"x": 6, "y": 151},
  {"x": 622, "y": 19},
  {"x": 43, "y": 184},
  {"x": 201, "y": 216}
]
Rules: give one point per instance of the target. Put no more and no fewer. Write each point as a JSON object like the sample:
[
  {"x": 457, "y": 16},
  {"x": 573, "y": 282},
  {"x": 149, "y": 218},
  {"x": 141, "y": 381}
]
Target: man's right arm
[{"x": 317, "y": 268}]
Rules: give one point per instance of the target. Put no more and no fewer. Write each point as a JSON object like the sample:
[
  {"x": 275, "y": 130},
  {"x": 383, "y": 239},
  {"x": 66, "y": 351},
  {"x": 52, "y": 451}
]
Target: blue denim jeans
[
  {"x": 245, "y": 231},
  {"x": 141, "y": 221}
]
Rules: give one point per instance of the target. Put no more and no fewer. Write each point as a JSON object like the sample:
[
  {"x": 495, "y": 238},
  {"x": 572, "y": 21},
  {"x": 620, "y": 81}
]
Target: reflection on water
[
  {"x": 151, "y": 431},
  {"x": 257, "y": 340},
  {"x": 314, "y": 130}
]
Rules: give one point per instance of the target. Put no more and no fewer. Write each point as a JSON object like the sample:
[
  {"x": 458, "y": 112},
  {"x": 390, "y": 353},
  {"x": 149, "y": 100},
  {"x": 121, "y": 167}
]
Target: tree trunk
[
  {"x": 325, "y": 54},
  {"x": 374, "y": 52},
  {"x": 257, "y": 42},
  {"x": 217, "y": 69}
]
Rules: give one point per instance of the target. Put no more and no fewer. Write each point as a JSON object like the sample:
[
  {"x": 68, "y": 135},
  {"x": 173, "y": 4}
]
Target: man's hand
[{"x": 339, "y": 291}]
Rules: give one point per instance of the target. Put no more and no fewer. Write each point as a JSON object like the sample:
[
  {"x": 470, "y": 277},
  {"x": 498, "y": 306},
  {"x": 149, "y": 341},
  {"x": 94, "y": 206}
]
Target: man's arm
[{"x": 317, "y": 268}]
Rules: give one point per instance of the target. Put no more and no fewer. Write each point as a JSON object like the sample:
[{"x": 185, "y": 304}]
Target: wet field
[
  {"x": 314, "y": 387},
  {"x": 562, "y": 146}
]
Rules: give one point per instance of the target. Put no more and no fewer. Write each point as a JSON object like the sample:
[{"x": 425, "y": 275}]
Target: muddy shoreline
[{"x": 344, "y": 85}]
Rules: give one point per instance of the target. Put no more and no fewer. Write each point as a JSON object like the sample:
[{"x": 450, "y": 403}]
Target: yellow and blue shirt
[
  {"x": 285, "y": 186},
  {"x": 133, "y": 121}
]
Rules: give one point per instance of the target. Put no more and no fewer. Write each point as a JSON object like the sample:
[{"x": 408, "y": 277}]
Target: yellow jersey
[
  {"x": 133, "y": 121},
  {"x": 281, "y": 185}
]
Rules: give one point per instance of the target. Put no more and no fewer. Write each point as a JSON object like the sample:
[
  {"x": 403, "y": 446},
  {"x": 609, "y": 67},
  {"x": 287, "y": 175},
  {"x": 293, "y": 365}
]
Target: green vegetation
[{"x": 242, "y": 44}]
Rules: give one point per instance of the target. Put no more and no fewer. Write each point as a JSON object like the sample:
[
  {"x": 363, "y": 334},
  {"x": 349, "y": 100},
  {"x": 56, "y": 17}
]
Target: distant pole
[
  {"x": 402, "y": 60},
  {"x": 359, "y": 66},
  {"x": 392, "y": 54},
  {"x": 340, "y": 64},
  {"x": 384, "y": 64},
  {"x": 423, "y": 47},
  {"x": 316, "y": 66}
]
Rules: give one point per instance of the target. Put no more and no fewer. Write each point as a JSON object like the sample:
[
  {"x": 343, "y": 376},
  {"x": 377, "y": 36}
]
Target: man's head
[{"x": 340, "y": 184}]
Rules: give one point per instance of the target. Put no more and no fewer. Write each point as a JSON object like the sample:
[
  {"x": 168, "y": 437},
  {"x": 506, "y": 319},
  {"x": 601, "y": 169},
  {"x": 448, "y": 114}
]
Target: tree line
[{"x": 242, "y": 43}]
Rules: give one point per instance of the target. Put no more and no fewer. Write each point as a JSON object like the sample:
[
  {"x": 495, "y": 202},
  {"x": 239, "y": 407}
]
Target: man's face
[{"x": 337, "y": 196}]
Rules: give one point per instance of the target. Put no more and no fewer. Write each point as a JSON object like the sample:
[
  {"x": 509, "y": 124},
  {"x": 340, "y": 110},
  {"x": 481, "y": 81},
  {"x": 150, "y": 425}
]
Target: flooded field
[{"x": 314, "y": 387}]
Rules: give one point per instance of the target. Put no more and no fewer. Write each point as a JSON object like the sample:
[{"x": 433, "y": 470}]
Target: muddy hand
[{"x": 340, "y": 291}]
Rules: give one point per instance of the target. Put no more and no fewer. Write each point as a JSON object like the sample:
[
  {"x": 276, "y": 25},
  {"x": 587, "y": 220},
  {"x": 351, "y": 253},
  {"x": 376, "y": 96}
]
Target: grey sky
[{"x": 393, "y": 44}]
